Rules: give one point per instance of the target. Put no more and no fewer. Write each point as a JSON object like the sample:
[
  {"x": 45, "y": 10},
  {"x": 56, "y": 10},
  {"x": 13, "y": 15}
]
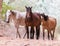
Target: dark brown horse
[
  {"x": 32, "y": 19},
  {"x": 48, "y": 23}
]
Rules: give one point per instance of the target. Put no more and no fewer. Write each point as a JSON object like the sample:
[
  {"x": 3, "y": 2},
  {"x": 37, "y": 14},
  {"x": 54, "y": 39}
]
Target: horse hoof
[{"x": 52, "y": 38}]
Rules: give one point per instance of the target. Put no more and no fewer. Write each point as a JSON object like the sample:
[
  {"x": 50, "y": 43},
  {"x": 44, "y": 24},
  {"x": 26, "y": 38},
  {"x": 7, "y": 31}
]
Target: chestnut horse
[
  {"x": 17, "y": 17},
  {"x": 48, "y": 23},
  {"x": 32, "y": 19}
]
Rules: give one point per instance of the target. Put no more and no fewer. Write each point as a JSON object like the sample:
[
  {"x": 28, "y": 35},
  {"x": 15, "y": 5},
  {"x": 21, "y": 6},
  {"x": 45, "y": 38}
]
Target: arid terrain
[{"x": 8, "y": 37}]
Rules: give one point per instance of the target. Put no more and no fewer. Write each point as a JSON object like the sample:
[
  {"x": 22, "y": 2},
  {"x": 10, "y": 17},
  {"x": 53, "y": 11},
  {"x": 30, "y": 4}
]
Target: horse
[
  {"x": 48, "y": 23},
  {"x": 33, "y": 20},
  {"x": 17, "y": 17}
]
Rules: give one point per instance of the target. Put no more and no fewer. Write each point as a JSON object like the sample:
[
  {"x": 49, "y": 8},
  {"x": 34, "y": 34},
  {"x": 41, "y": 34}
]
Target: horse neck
[{"x": 13, "y": 17}]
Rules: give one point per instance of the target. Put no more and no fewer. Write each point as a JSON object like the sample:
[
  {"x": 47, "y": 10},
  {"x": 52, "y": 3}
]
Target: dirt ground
[
  {"x": 8, "y": 37},
  {"x": 7, "y": 41}
]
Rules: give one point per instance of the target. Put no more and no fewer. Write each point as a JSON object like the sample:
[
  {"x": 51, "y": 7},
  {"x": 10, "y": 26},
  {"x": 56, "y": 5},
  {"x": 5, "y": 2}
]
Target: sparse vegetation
[{"x": 5, "y": 7}]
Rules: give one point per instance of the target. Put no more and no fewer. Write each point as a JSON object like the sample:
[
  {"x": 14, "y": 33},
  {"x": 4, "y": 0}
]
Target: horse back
[
  {"x": 36, "y": 18},
  {"x": 50, "y": 23}
]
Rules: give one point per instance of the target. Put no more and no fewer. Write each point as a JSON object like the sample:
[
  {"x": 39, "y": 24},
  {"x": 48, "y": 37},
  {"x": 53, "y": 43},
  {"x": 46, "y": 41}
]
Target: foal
[
  {"x": 48, "y": 23},
  {"x": 32, "y": 19}
]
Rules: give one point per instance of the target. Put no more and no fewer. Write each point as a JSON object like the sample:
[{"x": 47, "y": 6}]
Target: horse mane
[{"x": 45, "y": 17}]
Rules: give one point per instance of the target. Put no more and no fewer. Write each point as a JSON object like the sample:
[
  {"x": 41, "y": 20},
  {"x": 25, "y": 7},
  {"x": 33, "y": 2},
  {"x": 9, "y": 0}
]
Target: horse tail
[{"x": 55, "y": 22}]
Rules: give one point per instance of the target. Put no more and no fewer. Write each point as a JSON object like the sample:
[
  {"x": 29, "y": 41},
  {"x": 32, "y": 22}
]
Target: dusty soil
[
  {"x": 8, "y": 37},
  {"x": 6, "y": 41}
]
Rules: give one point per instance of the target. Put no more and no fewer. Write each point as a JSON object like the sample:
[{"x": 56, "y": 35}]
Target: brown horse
[
  {"x": 48, "y": 23},
  {"x": 32, "y": 19},
  {"x": 17, "y": 17}
]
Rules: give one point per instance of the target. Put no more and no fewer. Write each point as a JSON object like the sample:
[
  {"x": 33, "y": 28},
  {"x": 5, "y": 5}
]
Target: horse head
[
  {"x": 28, "y": 12},
  {"x": 28, "y": 9},
  {"x": 8, "y": 15},
  {"x": 44, "y": 16}
]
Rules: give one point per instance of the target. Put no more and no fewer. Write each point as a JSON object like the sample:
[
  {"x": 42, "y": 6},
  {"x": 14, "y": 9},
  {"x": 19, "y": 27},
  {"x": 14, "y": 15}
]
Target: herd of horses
[{"x": 32, "y": 19}]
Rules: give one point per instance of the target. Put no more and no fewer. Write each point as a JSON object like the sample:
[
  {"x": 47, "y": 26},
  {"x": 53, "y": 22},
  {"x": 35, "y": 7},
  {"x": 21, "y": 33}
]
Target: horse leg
[
  {"x": 43, "y": 33},
  {"x": 18, "y": 33},
  {"x": 48, "y": 35},
  {"x": 32, "y": 33},
  {"x": 27, "y": 31},
  {"x": 24, "y": 35},
  {"x": 53, "y": 34},
  {"x": 37, "y": 32}
]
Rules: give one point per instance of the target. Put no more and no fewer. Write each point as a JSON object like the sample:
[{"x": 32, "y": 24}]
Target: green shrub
[{"x": 5, "y": 7}]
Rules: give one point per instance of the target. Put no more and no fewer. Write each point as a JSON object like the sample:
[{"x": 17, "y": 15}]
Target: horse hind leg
[
  {"x": 32, "y": 33},
  {"x": 37, "y": 32},
  {"x": 18, "y": 33},
  {"x": 43, "y": 33},
  {"x": 53, "y": 34}
]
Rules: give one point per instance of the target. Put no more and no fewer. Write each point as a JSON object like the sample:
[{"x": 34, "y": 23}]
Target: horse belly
[{"x": 29, "y": 24}]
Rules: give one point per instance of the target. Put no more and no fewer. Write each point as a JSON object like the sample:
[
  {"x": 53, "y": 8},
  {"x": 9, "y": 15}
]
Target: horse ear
[
  {"x": 43, "y": 13},
  {"x": 31, "y": 6},
  {"x": 25, "y": 6},
  {"x": 12, "y": 12}
]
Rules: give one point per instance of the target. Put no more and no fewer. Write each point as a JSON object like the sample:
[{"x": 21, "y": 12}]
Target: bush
[{"x": 5, "y": 7}]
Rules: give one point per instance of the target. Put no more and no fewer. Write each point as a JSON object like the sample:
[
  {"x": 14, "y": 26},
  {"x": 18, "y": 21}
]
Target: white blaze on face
[{"x": 7, "y": 15}]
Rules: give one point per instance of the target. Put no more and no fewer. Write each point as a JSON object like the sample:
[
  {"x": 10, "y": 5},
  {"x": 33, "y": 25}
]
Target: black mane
[{"x": 45, "y": 16}]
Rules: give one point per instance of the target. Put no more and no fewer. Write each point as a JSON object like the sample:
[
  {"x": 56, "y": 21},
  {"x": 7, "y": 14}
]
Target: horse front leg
[
  {"x": 27, "y": 31},
  {"x": 43, "y": 33},
  {"x": 37, "y": 32},
  {"x": 32, "y": 33}
]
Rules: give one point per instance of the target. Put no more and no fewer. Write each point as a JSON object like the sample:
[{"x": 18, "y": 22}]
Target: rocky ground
[{"x": 8, "y": 37}]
